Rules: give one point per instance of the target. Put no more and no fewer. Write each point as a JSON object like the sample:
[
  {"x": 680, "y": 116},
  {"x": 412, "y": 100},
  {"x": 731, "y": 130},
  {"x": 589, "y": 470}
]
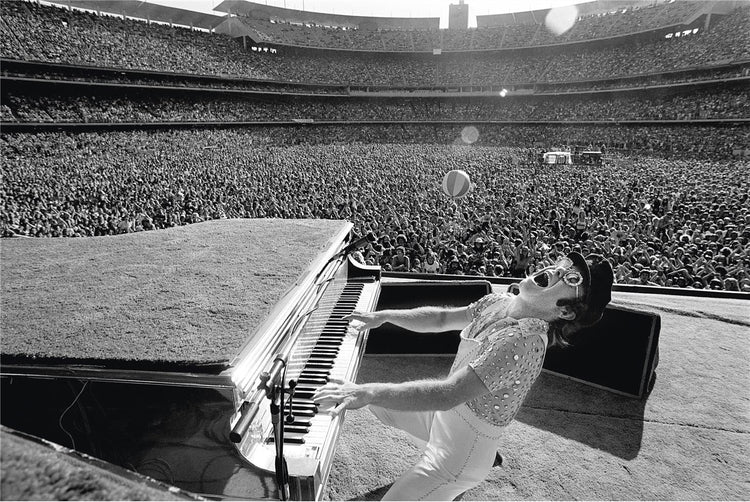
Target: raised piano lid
[{"x": 177, "y": 306}]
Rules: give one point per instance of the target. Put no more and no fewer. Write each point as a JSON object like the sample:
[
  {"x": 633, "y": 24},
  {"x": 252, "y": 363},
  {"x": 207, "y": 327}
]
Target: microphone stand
[
  {"x": 282, "y": 473},
  {"x": 273, "y": 383}
]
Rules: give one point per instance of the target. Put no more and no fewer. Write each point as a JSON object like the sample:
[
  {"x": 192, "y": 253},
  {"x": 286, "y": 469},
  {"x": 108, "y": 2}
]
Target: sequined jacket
[{"x": 506, "y": 353}]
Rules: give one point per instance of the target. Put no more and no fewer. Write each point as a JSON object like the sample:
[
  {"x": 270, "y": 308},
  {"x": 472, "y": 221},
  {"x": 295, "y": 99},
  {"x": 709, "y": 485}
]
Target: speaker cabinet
[{"x": 620, "y": 353}]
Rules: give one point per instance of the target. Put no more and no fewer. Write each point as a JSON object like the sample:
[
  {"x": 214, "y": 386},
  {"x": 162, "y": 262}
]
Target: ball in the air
[{"x": 456, "y": 184}]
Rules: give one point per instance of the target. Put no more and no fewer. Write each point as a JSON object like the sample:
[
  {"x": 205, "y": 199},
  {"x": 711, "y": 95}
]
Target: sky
[{"x": 387, "y": 8}]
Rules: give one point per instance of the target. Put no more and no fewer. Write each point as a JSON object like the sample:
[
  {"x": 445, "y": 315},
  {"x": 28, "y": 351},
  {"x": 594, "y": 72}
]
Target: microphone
[
  {"x": 270, "y": 379},
  {"x": 352, "y": 246}
]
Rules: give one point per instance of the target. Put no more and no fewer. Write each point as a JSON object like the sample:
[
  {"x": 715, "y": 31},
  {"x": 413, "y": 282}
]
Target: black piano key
[
  {"x": 321, "y": 358},
  {"x": 324, "y": 354},
  {"x": 307, "y": 395},
  {"x": 313, "y": 381},
  {"x": 301, "y": 423},
  {"x": 295, "y": 429},
  {"x": 291, "y": 439},
  {"x": 314, "y": 373}
]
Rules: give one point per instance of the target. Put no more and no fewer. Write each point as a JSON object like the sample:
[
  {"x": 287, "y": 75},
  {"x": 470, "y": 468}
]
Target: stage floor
[
  {"x": 688, "y": 441},
  {"x": 191, "y": 295}
]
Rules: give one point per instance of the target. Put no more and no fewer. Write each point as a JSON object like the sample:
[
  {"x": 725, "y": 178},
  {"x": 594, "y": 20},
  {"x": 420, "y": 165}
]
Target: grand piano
[{"x": 165, "y": 352}]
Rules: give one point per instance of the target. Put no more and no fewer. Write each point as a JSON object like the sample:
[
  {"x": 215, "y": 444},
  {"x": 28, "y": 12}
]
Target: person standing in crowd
[
  {"x": 431, "y": 264},
  {"x": 400, "y": 262},
  {"x": 459, "y": 420}
]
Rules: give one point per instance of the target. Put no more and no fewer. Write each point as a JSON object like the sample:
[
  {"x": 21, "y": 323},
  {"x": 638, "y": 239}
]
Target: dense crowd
[
  {"x": 669, "y": 206},
  {"x": 40, "y": 33},
  {"x": 167, "y": 106},
  {"x": 668, "y": 222},
  {"x": 590, "y": 27}
]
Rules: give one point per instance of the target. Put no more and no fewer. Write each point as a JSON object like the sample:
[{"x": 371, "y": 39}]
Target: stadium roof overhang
[
  {"x": 267, "y": 12},
  {"x": 148, "y": 11}
]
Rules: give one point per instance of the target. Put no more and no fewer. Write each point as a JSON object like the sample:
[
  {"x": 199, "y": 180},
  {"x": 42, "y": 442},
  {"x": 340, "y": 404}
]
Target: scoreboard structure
[{"x": 458, "y": 16}]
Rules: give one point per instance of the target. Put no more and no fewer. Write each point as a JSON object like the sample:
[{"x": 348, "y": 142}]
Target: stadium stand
[
  {"x": 52, "y": 104},
  {"x": 50, "y": 34},
  {"x": 277, "y": 30},
  {"x": 97, "y": 110}
]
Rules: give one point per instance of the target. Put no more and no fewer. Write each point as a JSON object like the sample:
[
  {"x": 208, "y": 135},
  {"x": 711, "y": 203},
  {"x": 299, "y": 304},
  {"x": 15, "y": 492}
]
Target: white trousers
[{"x": 458, "y": 452}]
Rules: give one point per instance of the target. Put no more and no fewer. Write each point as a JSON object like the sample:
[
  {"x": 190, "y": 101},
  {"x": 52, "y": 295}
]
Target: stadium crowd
[
  {"x": 586, "y": 27},
  {"x": 669, "y": 206},
  {"x": 50, "y": 34},
  {"x": 101, "y": 106},
  {"x": 668, "y": 222}
]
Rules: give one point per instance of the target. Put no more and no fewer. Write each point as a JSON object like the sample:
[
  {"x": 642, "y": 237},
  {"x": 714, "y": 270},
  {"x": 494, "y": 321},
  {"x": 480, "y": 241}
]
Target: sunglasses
[{"x": 571, "y": 277}]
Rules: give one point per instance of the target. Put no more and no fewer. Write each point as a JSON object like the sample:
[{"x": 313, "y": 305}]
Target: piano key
[
  {"x": 305, "y": 394},
  {"x": 307, "y": 401},
  {"x": 300, "y": 423},
  {"x": 307, "y": 413},
  {"x": 292, "y": 438},
  {"x": 314, "y": 372},
  {"x": 313, "y": 381},
  {"x": 320, "y": 365},
  {"x": 288, "y": 428}
]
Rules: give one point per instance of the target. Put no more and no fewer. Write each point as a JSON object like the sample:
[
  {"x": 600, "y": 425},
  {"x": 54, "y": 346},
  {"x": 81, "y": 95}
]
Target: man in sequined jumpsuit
[{"x": 459, "y": 420}]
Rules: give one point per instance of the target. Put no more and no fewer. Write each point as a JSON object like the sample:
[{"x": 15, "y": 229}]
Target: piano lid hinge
[{"x": 365, "y": 273}]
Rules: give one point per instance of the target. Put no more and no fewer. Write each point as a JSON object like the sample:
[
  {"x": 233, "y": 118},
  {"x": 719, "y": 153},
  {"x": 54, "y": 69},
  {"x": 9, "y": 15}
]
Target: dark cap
[{"x": 597, "y": 279}]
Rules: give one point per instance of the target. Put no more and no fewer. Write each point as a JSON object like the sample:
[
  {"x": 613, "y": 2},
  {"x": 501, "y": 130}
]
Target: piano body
[
  {"x": 200, "y": 422},
  {"x": 317, "y": 343}
]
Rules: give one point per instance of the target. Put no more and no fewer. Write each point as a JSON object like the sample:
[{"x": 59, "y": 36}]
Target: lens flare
[{"x": 561, "y": 19}]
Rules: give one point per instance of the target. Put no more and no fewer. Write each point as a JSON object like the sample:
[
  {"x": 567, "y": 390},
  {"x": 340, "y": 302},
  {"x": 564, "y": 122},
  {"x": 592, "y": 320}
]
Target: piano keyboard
[{"x": 325, "y": 346}]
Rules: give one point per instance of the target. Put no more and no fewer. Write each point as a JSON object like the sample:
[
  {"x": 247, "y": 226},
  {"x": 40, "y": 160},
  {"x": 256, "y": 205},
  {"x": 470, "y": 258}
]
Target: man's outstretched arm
[
  {"x": 417, "y": 395},
  {"x": 421, "y": 319}
]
